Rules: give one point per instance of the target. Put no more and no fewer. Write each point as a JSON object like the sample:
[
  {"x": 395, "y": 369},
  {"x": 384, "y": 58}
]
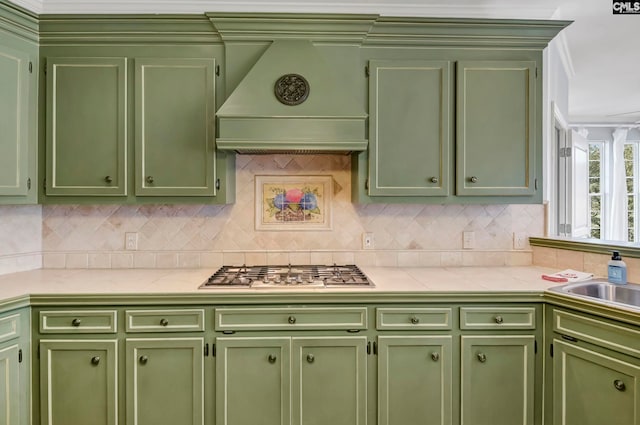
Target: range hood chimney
[{"x": 325, "y": 115}]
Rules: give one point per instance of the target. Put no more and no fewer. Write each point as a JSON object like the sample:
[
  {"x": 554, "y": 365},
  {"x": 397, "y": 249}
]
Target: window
[
  {"x": 596, "y": 153},
  {"x": 631, "y": 167}
]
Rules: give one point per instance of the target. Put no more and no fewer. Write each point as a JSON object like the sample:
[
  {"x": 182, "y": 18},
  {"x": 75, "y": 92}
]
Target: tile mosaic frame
[{"x": 285, "y": 203}]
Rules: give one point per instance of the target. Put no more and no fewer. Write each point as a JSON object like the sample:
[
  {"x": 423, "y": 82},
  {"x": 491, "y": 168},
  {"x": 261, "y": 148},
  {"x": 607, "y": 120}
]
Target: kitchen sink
[{"x": 628, "y": 295}]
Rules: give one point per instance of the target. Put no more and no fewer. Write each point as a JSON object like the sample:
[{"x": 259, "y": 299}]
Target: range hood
[{"x": 330, "y": 119}]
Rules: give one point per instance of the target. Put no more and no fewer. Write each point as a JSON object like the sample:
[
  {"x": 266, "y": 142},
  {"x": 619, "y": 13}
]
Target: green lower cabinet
[
  {"x": 415, "y": 380},
  {"x": 591, "y": 388},
  {"x": 497, "y": 380},
  {"x": 165, "y": 381},
  {"x": 255, "y": 370},
  {"x": 329, "y": 381},
  {"x": 78, "y": 382},
  {"x": 9, "y": 385}
]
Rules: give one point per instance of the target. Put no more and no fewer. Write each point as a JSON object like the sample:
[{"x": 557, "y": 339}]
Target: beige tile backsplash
[
  {"x": 199, "y": 235},
  {"x": 20, "y": 238}
]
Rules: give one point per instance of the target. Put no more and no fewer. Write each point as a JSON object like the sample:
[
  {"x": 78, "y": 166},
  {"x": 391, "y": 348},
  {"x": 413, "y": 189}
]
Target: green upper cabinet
[
  {"x": 86, "y": 127},
  {"x": 14, "y": 116},
  {"x": 18, "y": 105},
  {"x": 174, "y": 118},
  {"x": 409, "y": 127},
  {"x": 496, "y": 130}
]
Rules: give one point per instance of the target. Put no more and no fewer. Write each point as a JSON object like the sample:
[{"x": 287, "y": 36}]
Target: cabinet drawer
[
  {"x": 78, "y": 321},
  {"x": 619, "y": 338},
  {"x": 413, "y": 318},
  {"x": 497, "y": 318},
  {"x": 239, "y": 319},
  {"x": 9, "y": 327},
  {"x": 188, "y": 320}
]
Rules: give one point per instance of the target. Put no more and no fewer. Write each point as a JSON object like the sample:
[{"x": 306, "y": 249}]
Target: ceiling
[{"x": 600, "y": 48}]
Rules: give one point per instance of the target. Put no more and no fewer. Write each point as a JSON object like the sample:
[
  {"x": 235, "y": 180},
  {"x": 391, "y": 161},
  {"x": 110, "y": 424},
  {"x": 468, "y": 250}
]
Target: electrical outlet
[
  {"x": 520, "y": 240},
  {"x": 468, "y": 240},
  {"x": 131, "y": 241},
  {"x": 367, "y": 240}
]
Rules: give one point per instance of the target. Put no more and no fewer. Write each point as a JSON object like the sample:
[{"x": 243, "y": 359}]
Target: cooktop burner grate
[{"x": 288, "y": 276}]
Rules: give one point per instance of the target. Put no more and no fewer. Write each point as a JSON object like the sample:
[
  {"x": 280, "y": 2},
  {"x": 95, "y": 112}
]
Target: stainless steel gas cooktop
[{"x": 289, "y": 276}]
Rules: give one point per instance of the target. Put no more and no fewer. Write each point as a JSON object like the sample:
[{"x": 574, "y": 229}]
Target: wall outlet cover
[{"x": 131, "y": 241}]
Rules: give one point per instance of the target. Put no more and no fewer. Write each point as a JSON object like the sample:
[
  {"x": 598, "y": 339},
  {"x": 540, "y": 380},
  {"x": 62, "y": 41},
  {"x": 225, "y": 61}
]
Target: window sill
[{"x": 595, "y": 246}]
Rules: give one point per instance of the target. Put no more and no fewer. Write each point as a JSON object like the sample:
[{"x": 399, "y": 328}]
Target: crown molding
[
  {"x": 388, "y": 8},
  {"x": 35, "y": 6},
  {"x": 565, "y": 54}
]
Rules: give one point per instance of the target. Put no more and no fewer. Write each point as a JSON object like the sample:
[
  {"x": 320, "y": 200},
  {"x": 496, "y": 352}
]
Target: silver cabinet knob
[
  {"x": 434, "y": 180},
  {"x": 482, "y": 357},
  {"x": 95, "y": 360},
  {"x": 144, "y": 359},
  {"x": 291, "y": 319},
  {"x": 499, "y": 320},
  {"x": 310, "y": 358},
  {"x": 164, "y": 322},
  {"x": 76, "y": 322},
  {"x": 473, "y": 179},
  {"x": 272, "y": 358},
  {"x": 415, "y": 320},
  {"x": 149, "y": 179},
  {"x": 435, "y": 356},
  {"x": 620, "y": 386},
  {"x": 108, "y": 180}
]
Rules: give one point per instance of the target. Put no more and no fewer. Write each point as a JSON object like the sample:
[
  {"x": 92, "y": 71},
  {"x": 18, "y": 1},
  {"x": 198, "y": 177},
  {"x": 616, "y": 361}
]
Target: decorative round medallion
[{"x": 292, "y": 89}]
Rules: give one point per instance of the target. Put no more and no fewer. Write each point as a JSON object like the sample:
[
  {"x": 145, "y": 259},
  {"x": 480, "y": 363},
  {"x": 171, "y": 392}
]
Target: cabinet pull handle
[
  {"x": 415, "y": 320},
  {"x": 473, "y": 179},
  {"x": 292, "y": 319},
  {"x": 164, "y": 322},
  {"x": 435, "y": 356},
  {"x": 149, "y": 179},
  {"x": 96, "y": 359},
  {"x": 310, "y": 358},
  {"x": 620, "y": 386},
  {"x": 482, "y": 357},
  {"x": 108, "y": 179},
  {"x": 76, "y": 322},
  {"x": 272, "y": 358},
  {"x": 434, "y": 180},
  {"x": 144, "y": 359},
  {"x": 499, "y": 320}
]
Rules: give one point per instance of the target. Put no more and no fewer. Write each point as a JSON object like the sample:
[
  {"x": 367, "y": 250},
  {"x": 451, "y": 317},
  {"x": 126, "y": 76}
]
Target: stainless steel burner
[{"x": 288, "y": 276}]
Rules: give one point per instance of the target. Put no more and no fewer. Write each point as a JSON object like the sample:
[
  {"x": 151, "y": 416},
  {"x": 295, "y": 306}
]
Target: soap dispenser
[{"x": 617, "y": 269}]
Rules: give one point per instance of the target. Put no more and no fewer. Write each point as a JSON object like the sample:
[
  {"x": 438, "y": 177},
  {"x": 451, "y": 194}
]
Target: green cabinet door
[
  {"x": 165, "y": 381},
  {"x": 329, "y": 381},
  {"x": 10, "y": 408},
  {"x": 253, "y": 378},
  {"x": 497, "y": 380},
  {"x": 415, "y": 380},
  {"x": 78, "y": 382},
  {"x": 86, "y": 126},
  {"x": 174, "y": 115},
  {"x": 409, "y": 128},
  {"x": 496, "y": 128},
  {"x": 590, "y": 388},
  {"x": 14, "y": 122}
]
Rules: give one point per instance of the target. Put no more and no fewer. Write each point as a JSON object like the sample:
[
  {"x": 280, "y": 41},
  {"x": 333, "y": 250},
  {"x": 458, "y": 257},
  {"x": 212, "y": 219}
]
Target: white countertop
[{"x": 185, "y": 281}]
